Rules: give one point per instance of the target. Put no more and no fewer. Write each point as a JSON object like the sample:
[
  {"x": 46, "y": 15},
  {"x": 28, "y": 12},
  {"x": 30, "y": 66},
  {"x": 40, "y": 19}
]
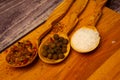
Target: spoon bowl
[
  {"x": 19, "y": 56},
  {"x": 46, "y": 40},
  {"x": 87, "y": 39}
]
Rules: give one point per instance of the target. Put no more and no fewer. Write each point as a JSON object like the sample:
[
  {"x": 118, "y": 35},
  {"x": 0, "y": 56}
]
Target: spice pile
[
  {"x": 21, "y": 54},
  {"x": 55, "y": 48}
]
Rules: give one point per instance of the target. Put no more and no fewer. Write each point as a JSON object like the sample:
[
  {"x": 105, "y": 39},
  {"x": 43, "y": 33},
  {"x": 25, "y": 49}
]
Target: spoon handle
[
  {"x": 56, "y": 15},
  {"x": 71, "y": 18},
  {"x": 60, "y": 11},
  {"x": 97, "y": 12}
]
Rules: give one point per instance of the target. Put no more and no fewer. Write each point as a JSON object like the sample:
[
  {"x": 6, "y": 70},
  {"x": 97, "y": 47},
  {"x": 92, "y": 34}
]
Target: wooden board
[{"x": 100, "y": 64}]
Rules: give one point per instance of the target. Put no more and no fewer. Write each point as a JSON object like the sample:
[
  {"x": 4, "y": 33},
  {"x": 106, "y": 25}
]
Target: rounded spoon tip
[
  {"x": 85, "y": 40},
  {"x": 45, "y": 41},
  {"x": 18, "y": 58}
]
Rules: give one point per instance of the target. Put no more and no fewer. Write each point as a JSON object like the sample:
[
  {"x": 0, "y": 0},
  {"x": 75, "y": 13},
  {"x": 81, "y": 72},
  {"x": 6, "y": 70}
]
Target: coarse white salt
[{"x": 85, "y": 39}]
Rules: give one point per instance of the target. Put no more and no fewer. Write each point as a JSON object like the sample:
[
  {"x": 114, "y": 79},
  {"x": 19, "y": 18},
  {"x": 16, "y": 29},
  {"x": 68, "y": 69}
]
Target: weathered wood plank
[
  {"x": 2, "y": 2},
  {"x": 6, "y": 5},
  {"x": 23, "y": 17}
]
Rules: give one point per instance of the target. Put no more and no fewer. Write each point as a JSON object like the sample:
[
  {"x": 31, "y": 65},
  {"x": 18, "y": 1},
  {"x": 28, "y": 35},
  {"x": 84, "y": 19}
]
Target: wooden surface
[
  {"x": 18, "y": 17},
  {"x": 100, "y": 64}
]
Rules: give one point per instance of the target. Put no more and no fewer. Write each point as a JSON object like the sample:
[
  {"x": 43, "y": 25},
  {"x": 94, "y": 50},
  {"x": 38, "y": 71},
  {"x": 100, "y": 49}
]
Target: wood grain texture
[
  {"x": 18, "y": 17},
  {"x": 100, "y": 64},
  {"x": 109, "y": 70}
]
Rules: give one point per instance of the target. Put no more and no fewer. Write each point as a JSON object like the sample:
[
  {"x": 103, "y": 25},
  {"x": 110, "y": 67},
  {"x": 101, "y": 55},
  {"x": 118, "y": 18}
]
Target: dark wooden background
[
  {"x": 114, "y": 5},
  {"x": 19, "y": 17}
]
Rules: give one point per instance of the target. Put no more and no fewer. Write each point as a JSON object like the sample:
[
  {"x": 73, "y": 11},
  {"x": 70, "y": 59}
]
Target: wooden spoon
[
  {"x": 39, "y": 33},
  {"x": 87, "y": 37},
  {"x": 62, "y": 28}
]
